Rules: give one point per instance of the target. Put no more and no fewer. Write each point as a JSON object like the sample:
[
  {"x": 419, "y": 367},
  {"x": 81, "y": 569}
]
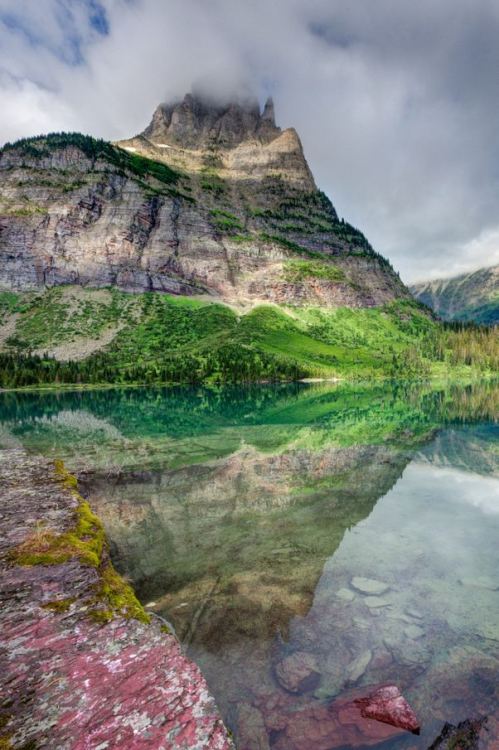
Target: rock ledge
[{"x": 81, "y": 668}]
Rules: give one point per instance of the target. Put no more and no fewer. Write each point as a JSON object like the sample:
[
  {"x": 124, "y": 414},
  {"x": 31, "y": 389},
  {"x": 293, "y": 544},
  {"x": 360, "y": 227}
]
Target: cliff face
[
  {"x": 198, "y": 135},
  {"x": 471, "y": 296},
  {"x": 210, "y": 199}
]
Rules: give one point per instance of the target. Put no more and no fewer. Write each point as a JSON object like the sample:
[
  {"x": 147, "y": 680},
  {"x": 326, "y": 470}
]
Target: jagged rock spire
[
  {"x": 197, "y": 122},
  {"x": 268, "y": 113}
]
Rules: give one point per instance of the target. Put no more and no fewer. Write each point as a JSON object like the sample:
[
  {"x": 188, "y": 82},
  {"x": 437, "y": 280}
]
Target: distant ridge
[{"x": 468, "y": 297}]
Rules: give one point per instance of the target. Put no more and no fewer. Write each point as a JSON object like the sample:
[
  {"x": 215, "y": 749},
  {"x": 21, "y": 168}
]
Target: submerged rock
[
  {"x": 481, "y": 582},
  {"x": 414, "y": 613},
  {"x": 373, "y": 602},
  {"x": 298, "y": 672},
  {"x": 357, "y": 667},
  {"x": 414, "y": 632},
  {"x": 465, "y": 736},
  {"x": 388, "y": 705},
  {"x": 345, "y": 594},
  {"x": 360, "y": 623},
  {"x": 327, "y": 727},
  {"x": 369, "y": 585},
  {"x": 251, "y": 728}
]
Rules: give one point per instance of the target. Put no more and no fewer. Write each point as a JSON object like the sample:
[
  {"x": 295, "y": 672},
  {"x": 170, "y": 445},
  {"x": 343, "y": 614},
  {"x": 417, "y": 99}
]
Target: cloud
[{"x": 397, "y": 103}]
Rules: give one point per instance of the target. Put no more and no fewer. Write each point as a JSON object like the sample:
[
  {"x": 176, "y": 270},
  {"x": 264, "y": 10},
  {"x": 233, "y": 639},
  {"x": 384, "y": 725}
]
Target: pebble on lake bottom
[
  {"x": 369, "y": 585},
  {"x": 345, "y": 594}
]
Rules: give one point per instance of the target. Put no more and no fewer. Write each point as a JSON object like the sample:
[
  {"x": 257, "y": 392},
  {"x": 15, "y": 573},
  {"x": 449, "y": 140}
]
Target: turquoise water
[{"x": 250, "y": 519}]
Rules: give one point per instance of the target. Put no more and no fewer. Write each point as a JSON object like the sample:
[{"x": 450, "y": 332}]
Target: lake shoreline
[{"x": 436, "y": 380}]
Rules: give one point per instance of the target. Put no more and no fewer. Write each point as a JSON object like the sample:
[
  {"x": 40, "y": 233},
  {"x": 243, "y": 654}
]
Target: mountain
[
  {"x": 214, "y": 206},
  {"x": 211, "y": 199},
  {"x": 470, "y": 296}
]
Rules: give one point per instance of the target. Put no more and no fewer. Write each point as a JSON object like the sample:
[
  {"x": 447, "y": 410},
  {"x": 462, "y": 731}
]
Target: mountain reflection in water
[{"x": 252, "y": 517}]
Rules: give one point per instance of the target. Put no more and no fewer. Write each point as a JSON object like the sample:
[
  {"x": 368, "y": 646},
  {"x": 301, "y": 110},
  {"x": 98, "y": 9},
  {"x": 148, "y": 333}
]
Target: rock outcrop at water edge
[{"x": 82, "y": 667}]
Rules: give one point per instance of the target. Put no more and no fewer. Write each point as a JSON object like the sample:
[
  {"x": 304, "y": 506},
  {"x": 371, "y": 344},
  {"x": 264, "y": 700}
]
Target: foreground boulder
[
  {"x": 81, "y": 665},
  {"x": 389, "y": 706}
]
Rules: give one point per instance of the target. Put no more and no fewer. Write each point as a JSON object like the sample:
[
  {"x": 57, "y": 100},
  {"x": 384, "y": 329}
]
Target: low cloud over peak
[{"x": 396, "y": 103}]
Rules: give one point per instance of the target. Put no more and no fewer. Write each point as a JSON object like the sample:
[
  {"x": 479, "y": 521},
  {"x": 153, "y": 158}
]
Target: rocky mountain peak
[{"x": 198, "y": 122}]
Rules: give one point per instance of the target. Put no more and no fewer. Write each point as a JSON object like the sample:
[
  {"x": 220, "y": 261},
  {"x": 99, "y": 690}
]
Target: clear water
[{"x": 245, "y": 515}]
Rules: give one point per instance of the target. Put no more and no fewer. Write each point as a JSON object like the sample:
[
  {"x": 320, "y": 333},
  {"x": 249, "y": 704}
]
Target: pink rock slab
[
  {"x": 388, "y": 705},
  {"x": 66, "y": 681}
]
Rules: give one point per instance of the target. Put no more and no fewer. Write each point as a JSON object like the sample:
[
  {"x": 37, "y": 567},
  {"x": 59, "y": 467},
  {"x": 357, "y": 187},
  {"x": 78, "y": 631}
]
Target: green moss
[
  {"x": 115, "y": 597},
  {"x": 84, "y": 542},
  {"x": 63, "y": 475},
  {"x": 6, "y": 744}
]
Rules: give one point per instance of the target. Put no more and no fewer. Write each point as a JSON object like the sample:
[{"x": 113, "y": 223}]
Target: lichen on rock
[{"x": 80, "y": 662}]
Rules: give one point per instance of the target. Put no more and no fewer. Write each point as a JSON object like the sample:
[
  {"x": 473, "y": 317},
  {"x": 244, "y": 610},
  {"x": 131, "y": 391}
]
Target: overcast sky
[{"x": 396, "y": 101}]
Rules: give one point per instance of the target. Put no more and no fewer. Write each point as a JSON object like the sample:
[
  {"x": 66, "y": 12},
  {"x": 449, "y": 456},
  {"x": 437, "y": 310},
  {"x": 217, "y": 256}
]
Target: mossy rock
[{"x": 85, "y": 542}]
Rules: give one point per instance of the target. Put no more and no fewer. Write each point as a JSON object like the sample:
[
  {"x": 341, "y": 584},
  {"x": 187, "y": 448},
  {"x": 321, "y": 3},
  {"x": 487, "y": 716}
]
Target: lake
[{"x": 305, "y": 541}]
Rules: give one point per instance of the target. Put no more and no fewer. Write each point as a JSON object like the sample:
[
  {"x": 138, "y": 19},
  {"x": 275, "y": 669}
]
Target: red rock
[
  {"x": 388, "y": 705},
  {"x": 326, "y": 727},
  {"x": 73, "y": 682}
]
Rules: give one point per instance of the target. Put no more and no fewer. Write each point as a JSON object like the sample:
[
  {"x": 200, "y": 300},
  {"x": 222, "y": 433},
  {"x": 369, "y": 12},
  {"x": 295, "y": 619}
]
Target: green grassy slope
[{"x": 159, "y": 338}]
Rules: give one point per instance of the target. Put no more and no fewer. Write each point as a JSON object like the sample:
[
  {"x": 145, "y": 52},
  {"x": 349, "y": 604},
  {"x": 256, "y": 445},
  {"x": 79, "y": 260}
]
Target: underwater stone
[
  {"x": 400, "y": 617},
  {"x": 466, "y": 735},
  {"x": 298, "y": 672},
  {"x": 486, "y": 629},
  {"x": 357, "y": 667},
  {"x": 388, "y": 705},
  {"x": 328, "y": 691},
  {"x": 251, "y": 727},
  {"x": 334, "y": 726},
  {"x": 345, "y": 594},
  {"x": 373, "y": 602},
  {"x": 414, "y": 613},
  {"x": 481, "y": 582},
  {"x": 414, "y": 631},
  {"x": 359, "y": 622},
  {"x": 369, "y": 585},
  {"x": 411, "y": 653}
]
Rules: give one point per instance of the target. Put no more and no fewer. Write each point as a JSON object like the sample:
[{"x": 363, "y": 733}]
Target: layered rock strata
[{"x": 211, "y": 199}]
